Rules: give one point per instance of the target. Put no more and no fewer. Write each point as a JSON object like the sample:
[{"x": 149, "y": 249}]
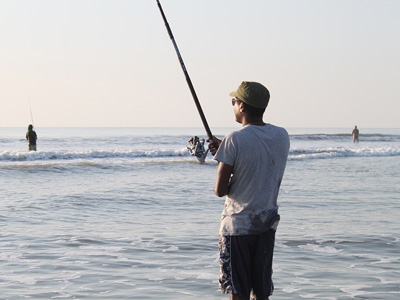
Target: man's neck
[{"x": 252, "y": 121}]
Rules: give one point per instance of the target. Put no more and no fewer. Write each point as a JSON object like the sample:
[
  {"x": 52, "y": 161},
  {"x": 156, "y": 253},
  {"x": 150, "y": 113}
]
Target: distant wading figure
[
  {"x": 252, "y": 161},
  {"x": 355, "y": 133},
  {"x": 31, "y": 138}
]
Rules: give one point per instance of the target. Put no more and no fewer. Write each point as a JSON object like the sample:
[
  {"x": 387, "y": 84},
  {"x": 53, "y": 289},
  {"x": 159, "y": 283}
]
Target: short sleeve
[{"x": 227, "y": 150}]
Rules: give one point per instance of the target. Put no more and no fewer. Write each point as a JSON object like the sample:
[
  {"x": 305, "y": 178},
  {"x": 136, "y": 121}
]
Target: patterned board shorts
[{"x": 246, "y": 265}]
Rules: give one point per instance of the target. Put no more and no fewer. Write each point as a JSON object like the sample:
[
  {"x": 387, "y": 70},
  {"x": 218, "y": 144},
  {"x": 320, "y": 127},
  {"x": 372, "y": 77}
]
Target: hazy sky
[{"x": 327, "y": 63}]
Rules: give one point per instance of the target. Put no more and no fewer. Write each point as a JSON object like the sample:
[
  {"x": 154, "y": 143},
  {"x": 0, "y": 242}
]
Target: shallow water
[{"x": 128, "y": 214}]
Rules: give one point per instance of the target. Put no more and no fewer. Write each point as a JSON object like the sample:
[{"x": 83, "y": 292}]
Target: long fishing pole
[
  {"x": 189, "y": 82},
  {"x": 30, "y": 109}
]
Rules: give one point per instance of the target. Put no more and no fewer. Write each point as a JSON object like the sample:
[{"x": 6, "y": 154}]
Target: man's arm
[{"x": 223, "y": 178}]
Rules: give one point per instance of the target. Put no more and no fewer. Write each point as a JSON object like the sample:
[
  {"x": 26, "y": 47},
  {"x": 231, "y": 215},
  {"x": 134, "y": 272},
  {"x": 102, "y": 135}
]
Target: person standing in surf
[
  {"x": 355, "y": 134},
  {"x": 31, "y": 137},
  {"x": 251, "y": 164}
]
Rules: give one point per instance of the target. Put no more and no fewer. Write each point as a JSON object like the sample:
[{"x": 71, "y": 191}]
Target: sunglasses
[{"x": 234, "y": 100}]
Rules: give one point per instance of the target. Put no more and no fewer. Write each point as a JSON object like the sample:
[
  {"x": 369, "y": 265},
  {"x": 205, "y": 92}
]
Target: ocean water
[{"x": 127, "y": 213}]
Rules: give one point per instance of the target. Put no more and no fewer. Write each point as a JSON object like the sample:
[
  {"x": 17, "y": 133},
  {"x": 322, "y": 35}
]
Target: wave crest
[
  {"x": 337, "y": 152},
  {"x": 87, "y": 155}
]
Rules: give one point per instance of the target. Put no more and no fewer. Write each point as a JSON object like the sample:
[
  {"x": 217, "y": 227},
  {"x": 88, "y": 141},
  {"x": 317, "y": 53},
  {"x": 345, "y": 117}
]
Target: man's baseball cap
[{"x": 252, "y": 93}]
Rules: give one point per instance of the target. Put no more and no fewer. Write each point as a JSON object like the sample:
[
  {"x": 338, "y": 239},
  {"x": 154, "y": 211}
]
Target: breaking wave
[
  {"x": 295, "y": 154},
  {"x": 338, "y": 152},
  {"x": 88, "y": 155},
  {"x": 345, "y": 137}
]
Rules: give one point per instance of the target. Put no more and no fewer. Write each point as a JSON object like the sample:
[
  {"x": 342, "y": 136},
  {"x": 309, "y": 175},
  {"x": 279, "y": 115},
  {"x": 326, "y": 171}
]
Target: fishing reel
[{"x": 196, "y": 149}]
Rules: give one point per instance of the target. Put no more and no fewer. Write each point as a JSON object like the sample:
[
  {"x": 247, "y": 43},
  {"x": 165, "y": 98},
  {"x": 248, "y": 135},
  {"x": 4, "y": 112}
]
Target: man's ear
[{"x": 242, "y": 107}]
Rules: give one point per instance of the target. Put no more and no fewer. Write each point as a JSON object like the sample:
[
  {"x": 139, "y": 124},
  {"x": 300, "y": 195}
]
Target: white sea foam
[
  {"x": 295, "y": 153},
  {"x": 105, "y": 292},
  {"x": 207, "y": 276},
  {"x": 355, "y": 290},
  {"x": 280, "y": 244},
  {"x": 125, "y": 282},
  {"x": 107, "y": 249},
  {"x": 62, "y": 296},
  {"x": 318, "y": 248},
  {"x": 308, "y": 296},
  {"x": 89, "y": 154},
  {"x": 10, "y": 256},
  {"x": 149, "y": 245},
  {"x": 171, "y": 249},
  {"x": 377, "y": 259},
  {"x": 18, "y": 279},
  {"x": 145, "y": 262},
  {"x": 340, "y": 152},
  {"x": 291, "y": 289},
  {"x": 388, "y": 281}
]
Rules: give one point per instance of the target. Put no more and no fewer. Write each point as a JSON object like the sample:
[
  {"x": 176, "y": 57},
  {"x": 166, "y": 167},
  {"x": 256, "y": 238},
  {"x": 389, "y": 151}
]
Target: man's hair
[{"x": 253, "y": 111}]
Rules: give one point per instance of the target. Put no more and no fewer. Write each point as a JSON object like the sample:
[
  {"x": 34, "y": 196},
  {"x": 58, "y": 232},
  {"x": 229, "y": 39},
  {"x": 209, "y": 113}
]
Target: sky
[{"x": 103, "y": 63}]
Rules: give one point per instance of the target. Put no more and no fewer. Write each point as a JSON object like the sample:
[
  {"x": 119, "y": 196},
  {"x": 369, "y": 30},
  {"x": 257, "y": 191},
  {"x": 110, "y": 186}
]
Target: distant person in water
[
  {"x": 355, "y": 133},
  {"x": 31, "y": 137}
]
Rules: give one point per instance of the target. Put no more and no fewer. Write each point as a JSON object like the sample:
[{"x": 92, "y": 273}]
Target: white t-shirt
[{"x": 258, "y": 155}]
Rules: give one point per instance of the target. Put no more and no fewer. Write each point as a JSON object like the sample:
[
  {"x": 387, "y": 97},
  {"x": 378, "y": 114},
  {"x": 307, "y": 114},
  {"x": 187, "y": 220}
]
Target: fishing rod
[
  {"x": 189, "y": 82},
  {"x": 30, "y": 109}
]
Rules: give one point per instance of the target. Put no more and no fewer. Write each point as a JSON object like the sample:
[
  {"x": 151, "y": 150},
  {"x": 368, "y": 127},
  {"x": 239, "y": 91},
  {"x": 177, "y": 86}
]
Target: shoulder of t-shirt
[
  {"x": 278, "y": 129},
  {"x": 231, "y": 135},
  {"x": 282, "y": 134}
]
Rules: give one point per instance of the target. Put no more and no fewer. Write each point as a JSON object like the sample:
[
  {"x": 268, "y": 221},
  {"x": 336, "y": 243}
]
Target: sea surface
[{"x": 127, "y": 213}]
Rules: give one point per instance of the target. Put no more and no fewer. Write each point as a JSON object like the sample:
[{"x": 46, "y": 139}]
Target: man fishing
[
  {"x": 252, "y": 161},
  {"x": 31, "y": 137}
]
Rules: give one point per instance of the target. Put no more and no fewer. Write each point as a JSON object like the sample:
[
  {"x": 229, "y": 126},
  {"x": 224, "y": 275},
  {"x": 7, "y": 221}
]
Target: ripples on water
[{"x": 126, "y": 227}]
